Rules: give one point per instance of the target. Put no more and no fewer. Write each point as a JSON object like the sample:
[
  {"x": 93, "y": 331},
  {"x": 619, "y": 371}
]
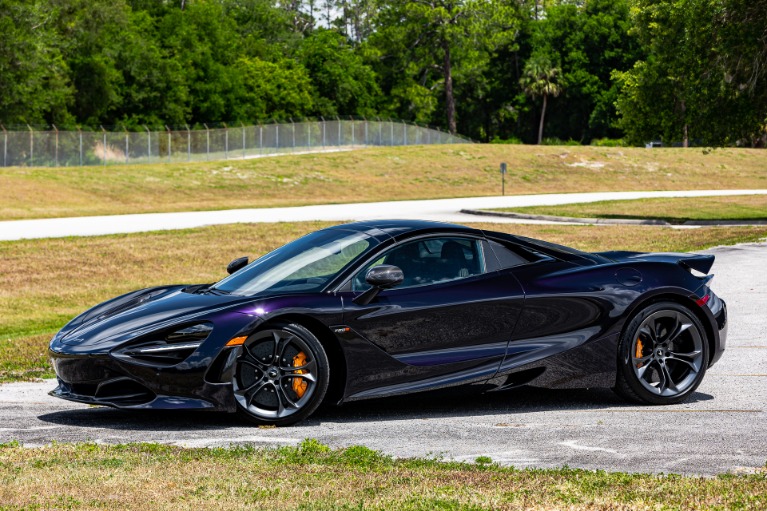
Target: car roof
[{"x": 405, "y": 228}]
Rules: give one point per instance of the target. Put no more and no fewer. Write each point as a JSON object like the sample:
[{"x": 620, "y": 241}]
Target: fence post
[
  {"x": 276, "y": 136},
  {"x": 260, "y": 139},
  {"x": 31, "y": 146},
  {"x": 366, "y": 132},
  {"x": 80, "y": 136},
  {"x": 308, "y": 134},
  {"x": 56, "y": 146},
  {"x": 391, "y": 131},
  {"x": 104, "y": 141},
  {"x": 380, "y": 131},
  {"x": 148, "y": 143},
  {"x": 323, "y": 131},
  {"x": 352, "y": 119},
  {"x": 207, "y": 141},
  {"x": 404, "y": 133},
  {"x": 243, "y": 139},
  {"x": 340, "y": 133},
  {"x": 226, "y": 141},
  {"x": 188, "y": 143},
  {"x": 127, "y": 148},
  {"x": 5, "y": 146},
  {"x": 169, "y": 140}
]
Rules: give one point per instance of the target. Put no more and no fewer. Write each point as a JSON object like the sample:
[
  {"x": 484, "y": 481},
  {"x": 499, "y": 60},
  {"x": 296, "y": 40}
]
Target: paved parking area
[{"x": 722, "y": 429}]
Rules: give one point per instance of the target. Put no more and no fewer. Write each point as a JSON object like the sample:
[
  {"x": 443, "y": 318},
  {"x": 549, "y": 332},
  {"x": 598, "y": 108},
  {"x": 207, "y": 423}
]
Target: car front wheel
[{"x": 281, "y": 375}]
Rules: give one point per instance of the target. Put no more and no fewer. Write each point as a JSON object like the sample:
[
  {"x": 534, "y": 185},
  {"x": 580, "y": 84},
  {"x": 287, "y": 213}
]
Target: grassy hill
[{"x": 375, "y": 174}]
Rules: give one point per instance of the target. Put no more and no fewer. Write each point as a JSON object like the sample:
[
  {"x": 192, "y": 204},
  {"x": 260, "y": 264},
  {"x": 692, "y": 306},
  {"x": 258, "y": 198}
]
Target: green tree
[
  {"x": 344, "y": 83},
  {"x": 540, "y": 79},
  {"x": 423, "y": 46},
  {"x": 700, "y": 80},
  {"x": 269, "y": 90},
  {"x": 587, "y": 41},
  {"x": 34, "y": 83}
]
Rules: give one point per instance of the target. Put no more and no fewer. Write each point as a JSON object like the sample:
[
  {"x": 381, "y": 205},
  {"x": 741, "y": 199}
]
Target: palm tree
[{"x": 540, "y": 79}]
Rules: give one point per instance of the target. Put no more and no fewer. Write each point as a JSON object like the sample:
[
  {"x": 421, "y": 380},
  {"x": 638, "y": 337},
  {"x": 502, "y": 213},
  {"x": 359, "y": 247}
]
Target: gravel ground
[{"x": 723, "y": 428}]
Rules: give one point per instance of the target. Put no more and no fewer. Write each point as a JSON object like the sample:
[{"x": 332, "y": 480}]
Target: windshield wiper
[{"x": 218, "y": 292}]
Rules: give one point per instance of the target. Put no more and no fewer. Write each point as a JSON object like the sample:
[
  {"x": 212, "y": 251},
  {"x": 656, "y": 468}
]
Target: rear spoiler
[
  {"x": 697, "y": 262},
  {"x": 701, "y": 263}
]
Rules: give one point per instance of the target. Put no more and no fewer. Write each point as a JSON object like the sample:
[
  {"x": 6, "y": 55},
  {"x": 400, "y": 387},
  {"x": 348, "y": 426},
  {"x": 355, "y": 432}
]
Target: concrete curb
[
  {"x": 610, "y": 221},
  {"x": 552, "y": 218}
]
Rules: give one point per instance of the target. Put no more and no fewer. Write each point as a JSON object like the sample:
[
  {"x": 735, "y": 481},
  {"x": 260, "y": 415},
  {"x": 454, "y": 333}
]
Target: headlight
[{"x": 169, "y": 349}]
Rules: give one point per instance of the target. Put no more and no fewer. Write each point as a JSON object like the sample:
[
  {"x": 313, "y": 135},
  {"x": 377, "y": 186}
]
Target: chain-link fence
[{"x": 58, "y": 148}]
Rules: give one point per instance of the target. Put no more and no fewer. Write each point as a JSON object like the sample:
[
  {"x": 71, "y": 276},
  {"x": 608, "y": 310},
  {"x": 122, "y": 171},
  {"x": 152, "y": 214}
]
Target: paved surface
[
  {"x": 447, "y": 210},
  {"x": 723, "y": 428}
]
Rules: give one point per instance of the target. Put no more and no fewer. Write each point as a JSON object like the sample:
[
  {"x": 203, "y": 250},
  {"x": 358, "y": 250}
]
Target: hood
[{"x": 135, "y": 314}]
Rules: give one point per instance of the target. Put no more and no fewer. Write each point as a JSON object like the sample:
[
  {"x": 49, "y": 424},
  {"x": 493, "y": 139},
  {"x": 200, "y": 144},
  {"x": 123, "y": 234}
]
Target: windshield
[{"x": 306, "y": 264}]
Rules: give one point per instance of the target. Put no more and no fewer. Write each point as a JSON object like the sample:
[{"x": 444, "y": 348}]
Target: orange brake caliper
[
  {"x": 299, "y": 384},
  {"x": 638, "y": 354}
]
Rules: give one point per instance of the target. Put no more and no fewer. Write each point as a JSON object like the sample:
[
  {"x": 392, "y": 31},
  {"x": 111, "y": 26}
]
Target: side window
[
  {"x": 504, "y": 257},
  {"x": 430, "y": 261}
]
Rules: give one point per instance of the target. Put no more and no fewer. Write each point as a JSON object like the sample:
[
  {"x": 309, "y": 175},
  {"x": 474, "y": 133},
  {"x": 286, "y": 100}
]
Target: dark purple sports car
[{"x": 382, "y": 308}]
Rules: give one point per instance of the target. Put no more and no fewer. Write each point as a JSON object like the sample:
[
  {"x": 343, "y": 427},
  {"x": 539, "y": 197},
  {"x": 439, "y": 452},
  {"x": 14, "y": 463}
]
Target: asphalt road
[
  {"x": 722, "y": 429},
  {"x": 444, "y": 210}
]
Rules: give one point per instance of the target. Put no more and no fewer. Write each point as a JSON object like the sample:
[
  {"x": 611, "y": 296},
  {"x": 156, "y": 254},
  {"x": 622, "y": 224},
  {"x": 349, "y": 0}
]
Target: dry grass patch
[
  {"x": 45, "y": 283},
  {"x": 375, "y": 174},
  {"x": 311, "y": 476},
  {"x": 675, "y": 210}
]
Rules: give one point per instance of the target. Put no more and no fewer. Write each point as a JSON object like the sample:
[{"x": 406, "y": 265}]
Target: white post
[
  {"x": 169, "y": 140},
  {"x": 148, "y": 143},
  {"x": 31, "y": 145},
  {"x": 207, "y": 142},
  {"x": 226, "y": 141},
  {"x": 56, "y": 158},
  {"x": 5, "y": 146},
  {"x": 188, "y": 143},
  {"x": 105, "y": 144}
]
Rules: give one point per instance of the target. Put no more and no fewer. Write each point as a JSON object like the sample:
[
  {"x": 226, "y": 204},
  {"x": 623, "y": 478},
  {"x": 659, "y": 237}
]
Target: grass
[
  {"x": 675, "y": 210},
  {"x": 45, "y": 283},
  {"x": 315, "y": 477},
  {"x": 415, "y": 172}
]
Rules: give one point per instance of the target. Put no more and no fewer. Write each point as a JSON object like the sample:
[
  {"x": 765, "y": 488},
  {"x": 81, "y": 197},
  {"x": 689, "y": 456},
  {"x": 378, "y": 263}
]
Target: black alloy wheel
[
  {"x": 663, "y": 355},
  {"x": 281, "y": 375}
]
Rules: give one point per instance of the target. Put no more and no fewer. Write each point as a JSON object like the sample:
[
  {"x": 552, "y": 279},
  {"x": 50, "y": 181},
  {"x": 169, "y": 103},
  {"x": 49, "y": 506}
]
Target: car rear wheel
[
  {"x": 662, "y": 355},
  {"x": 281, "y": 375}
]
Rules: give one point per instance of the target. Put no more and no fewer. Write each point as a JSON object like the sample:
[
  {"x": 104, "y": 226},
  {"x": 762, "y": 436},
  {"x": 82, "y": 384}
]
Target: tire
[
  {"x": 662, "y": 355},
  {"x": 285, "y": 391}
]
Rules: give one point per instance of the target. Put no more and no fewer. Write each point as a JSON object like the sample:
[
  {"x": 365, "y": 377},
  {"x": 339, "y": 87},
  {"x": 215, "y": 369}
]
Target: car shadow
[{"x": 412, "y": 407}]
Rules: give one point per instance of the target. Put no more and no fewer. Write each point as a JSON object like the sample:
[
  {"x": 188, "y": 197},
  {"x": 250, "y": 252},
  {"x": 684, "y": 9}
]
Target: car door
[{"x": 447, "y": 323}]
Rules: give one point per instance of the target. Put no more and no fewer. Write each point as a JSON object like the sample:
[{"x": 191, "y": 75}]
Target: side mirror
[
  {"x": 383, "y": 276},
  {"x": 237, "y": 264}
]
